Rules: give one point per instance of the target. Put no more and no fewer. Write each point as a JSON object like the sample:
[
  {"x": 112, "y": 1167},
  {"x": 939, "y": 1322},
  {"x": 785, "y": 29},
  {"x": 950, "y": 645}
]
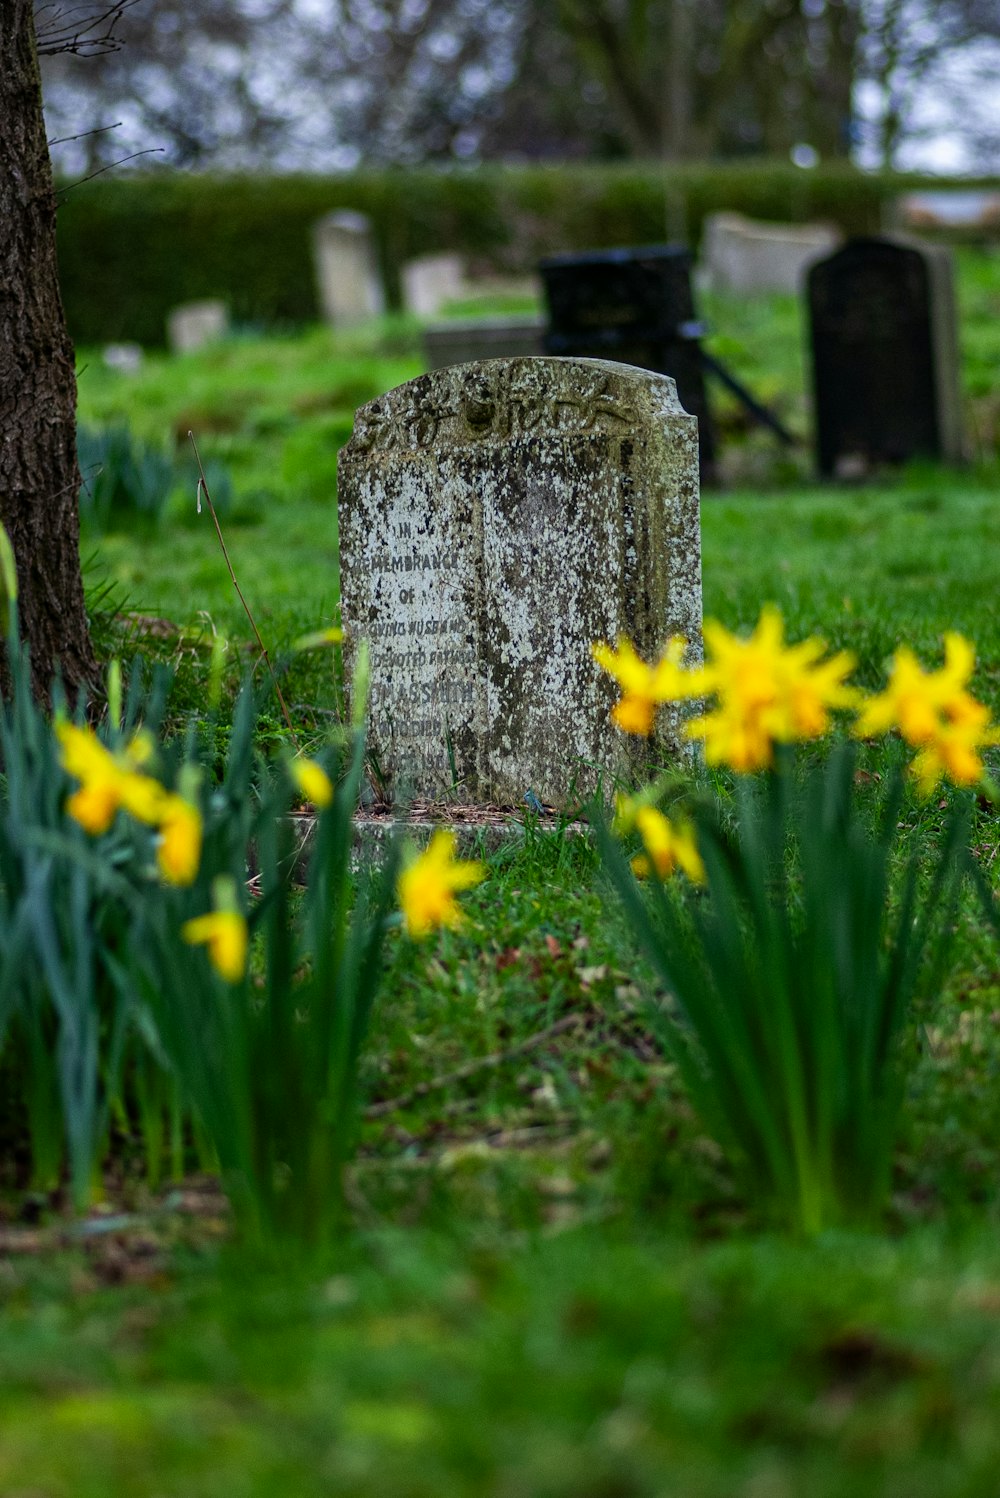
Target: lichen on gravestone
[{"x": 495, "y": 520}]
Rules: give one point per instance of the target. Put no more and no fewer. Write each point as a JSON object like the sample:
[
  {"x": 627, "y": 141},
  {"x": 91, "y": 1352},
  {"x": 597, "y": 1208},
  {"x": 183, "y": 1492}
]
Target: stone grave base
[{"x": 479, "y": 831}]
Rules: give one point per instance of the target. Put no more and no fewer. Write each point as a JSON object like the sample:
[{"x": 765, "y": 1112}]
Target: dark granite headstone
[
  {"x": 634, "y": 306},
  {"x": 884, "y": 356}
]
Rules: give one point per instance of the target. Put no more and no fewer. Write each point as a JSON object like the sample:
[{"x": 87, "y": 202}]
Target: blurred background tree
[{"x": 320, "y": 84}]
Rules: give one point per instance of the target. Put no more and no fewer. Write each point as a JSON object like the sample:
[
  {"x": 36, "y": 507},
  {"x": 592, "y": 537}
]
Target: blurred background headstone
[
  {"x": 432, "y": 281},
  {"x": 126, "y": 358},
  {"x": 884, "y": 355},
  {"x": 464, "y": 340},
  {"x": 752, "y": 258},
  {"x": 194, "y": 324},
  {"x": 349, "y": 283},
  {"x": 635, "y": 306}
]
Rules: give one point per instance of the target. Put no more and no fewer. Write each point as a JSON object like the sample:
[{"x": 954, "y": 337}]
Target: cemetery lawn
[{"x": 555, "y": 1288}]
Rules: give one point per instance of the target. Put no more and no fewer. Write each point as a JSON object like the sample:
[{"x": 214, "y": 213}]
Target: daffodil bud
[
  {"x": 220, "y": 648},
  {"x": 319, "y": 639},
  {"x": 360, "y": 686},
  {"x": 8, "y": 583},
  {"x": 115, "y": 694}
]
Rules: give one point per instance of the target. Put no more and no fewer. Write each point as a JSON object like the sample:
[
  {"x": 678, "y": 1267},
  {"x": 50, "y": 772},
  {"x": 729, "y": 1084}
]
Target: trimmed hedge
[{"x": 135, "y": 246}]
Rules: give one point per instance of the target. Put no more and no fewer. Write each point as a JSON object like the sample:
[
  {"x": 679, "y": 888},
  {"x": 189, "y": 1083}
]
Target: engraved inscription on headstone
[
  {"x": 885, "y": 357},
  {"x": 495, "y": 519}
]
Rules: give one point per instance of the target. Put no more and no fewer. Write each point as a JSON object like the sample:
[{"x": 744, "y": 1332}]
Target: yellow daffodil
[
  {"x": 644, "y": 687},
  {"x": 766, "y": 693},
  {"x": 95, "y": 805},
  {"x": 935, "y": 714},
  {"x": 142, "y": 797},
  {"x": 812, "y": 688},
  {"x": 108, "y": 781},
  {"x": 669, "y": 846},
  {"x": 223, "y": 932},
  {"x": 81, "y": 752},
  {"x": 178, "y": 849},
  {"x": 428, "y": 883},
  {"x": 113, "y": 783},
  {"x": 312, "y": 780}
]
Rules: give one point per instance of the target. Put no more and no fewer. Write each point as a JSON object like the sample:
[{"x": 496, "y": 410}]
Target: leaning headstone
[
  {"x": 753, "y": 258},
  {"x": 495, "y": 520},
  {"x": 431, "y": 282},
  {"x": 350, "y": 288},
  {"x": 884, "y": 355},
  {"x": 194, "y": 324}
]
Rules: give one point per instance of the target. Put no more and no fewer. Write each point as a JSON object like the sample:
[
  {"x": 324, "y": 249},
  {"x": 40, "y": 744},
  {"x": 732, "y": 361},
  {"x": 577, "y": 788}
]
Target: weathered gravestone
[
  {"x": 496, "y": 519},
  {"x": 885, "y": 356}
]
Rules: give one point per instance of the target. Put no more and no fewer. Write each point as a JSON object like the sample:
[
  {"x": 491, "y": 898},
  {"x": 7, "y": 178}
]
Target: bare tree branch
[
  {"x": 133, "y": 155},
  {"x": 62, "y": 140},
  {"x": 84, "y": 30}
]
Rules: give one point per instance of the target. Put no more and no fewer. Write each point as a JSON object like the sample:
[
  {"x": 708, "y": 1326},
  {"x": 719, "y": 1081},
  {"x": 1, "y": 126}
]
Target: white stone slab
[{"x": 755, "y": 258}]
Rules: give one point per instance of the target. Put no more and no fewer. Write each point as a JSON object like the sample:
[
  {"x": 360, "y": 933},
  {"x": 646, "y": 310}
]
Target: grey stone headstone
[
  {"x": 885, "y": 355},
  {"x": 194, "y": 324},
  {"x": 495, "y": 520},
  {"x": 348, "y": 280}
]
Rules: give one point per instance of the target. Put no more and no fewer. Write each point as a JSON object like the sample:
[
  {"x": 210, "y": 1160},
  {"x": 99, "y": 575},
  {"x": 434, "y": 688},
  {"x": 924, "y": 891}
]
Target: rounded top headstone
[{"x": 496, "y": 519}]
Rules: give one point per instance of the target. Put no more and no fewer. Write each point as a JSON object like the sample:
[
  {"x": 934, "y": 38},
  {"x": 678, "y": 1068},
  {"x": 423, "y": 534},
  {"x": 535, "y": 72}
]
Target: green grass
[
  {"x": 557, "y": 1289},
  {"x": 611, "y": 1365}
]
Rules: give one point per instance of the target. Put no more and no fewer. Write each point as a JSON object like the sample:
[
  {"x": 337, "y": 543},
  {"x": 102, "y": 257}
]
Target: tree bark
[{"x": 39, "y": 476}]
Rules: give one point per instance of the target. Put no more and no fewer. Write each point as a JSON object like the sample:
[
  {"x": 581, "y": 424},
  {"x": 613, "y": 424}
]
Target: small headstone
[
  {"x": 755, "y": 258},
  {"x": 885, "y": 356},
  {"x": 635, "y": 306},
  {"x": 465, "y": 340},
  {"x": 194, "y": 324},
  {"x": 350, "y": 287},
  {"x": 431, "y": 282},
  {"x": 495, "y": 520},
  {"x": 126, "y": 358}
]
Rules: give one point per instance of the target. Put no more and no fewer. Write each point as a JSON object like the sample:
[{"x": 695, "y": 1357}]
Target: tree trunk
[
  {"x": 832, "y": 132},
  {"x": 39, "y": 477}
]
